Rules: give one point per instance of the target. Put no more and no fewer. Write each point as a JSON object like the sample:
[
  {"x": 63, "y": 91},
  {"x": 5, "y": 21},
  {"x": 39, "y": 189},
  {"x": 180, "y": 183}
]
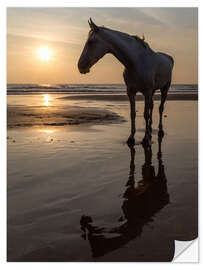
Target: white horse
[{"x": 145, "y": 70}]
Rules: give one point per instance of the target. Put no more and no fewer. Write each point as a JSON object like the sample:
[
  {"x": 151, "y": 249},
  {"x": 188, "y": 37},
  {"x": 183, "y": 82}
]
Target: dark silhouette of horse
[{"x": 145, "y": 70}]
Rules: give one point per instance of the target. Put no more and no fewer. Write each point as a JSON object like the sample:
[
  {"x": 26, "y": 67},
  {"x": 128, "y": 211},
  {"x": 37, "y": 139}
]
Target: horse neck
[{"x": 123, "y": 46}]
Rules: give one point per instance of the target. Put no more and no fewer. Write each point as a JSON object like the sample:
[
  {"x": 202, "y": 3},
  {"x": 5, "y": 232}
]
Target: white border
[
  {"x": 104, "y": 3},
  {"x": 76, "y": 3}
]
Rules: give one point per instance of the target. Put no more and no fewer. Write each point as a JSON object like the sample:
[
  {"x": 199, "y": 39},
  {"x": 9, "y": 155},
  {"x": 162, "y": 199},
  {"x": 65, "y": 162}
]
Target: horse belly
[{"x": 137, "y": 81}]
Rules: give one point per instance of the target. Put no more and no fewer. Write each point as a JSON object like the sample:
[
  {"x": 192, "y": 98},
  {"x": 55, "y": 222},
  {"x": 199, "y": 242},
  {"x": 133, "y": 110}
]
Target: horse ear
[{"x": 93, "y": 26}]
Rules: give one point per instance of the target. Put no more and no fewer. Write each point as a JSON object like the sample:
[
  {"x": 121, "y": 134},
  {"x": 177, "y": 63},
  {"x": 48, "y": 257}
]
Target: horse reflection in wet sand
[
  {"x": 145, "y": 70},
  {"x": 141, "y": 203}
]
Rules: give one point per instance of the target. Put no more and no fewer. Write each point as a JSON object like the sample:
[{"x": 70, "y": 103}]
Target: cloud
[
  {"x": 59, "y": 23},
  {"x": 175, "y": 17}
]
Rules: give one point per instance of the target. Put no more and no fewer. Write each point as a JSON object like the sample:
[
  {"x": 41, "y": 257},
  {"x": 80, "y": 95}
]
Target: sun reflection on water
[
  {"x": 48, "y": 131},
  {"x": 47, "y": 99}
]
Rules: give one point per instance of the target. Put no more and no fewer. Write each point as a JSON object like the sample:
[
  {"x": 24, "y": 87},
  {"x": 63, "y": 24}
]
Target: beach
[{"x": 77, "y": 192}]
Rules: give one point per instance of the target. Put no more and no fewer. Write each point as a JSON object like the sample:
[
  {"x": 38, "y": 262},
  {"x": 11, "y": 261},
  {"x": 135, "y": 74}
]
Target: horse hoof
[{"x": 130, "y": 141}]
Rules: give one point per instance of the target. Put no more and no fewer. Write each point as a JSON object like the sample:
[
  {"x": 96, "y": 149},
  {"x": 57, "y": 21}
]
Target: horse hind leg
[
  {"x": 148, "y": 101},
  {"x": 164, "y": 93},
  {"x": 150, "y": 114},
  {"x": 131, "y": 140}
]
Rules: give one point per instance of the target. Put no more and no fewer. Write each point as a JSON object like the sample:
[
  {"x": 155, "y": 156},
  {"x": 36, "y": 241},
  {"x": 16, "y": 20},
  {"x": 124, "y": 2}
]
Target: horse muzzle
[
  {"x": 84, "y": 71},
  {"x": 83, "y": 67}
]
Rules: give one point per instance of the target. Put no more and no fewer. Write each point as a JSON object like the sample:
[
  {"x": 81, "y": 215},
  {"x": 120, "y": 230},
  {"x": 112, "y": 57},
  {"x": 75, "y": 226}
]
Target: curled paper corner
[{"x": 186, "y": 251}]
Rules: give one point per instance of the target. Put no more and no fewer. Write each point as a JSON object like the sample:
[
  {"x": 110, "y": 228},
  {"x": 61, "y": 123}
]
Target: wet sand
[
  {"x": 29, "y": 116},
  {"x": 79, "y": 193}
]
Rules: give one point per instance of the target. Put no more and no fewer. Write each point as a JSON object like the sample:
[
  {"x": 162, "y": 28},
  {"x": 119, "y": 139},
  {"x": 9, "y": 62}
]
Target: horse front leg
[
  {"x": 131, "y": 140},
  {"x": 147, "y": 137}
]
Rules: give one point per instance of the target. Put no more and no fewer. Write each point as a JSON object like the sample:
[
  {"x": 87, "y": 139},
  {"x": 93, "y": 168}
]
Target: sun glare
[
  {"x": 47, "y": 100},
  {"x": 44, "y": 53}
]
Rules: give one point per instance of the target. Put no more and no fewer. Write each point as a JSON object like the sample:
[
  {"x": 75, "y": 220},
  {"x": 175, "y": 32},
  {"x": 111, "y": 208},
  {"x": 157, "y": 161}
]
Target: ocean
[{"x": 20, "y": 89}]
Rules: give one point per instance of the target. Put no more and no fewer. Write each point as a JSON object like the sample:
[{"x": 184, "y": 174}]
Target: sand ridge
[{"x": 19, "y": 116}]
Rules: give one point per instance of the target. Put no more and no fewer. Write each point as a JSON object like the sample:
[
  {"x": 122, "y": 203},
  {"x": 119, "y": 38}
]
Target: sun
[{"x": 44, "y": 53}]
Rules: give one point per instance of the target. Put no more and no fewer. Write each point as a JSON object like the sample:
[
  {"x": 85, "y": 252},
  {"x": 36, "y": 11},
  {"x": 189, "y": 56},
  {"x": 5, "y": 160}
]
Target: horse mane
[
  {"x": 92, "y": 31},
  {"x": 141, "y": 41}
]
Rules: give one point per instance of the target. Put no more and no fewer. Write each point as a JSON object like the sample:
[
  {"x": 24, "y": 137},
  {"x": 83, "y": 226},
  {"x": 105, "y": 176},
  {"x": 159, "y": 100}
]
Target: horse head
[{"x": 95, "y": 48}]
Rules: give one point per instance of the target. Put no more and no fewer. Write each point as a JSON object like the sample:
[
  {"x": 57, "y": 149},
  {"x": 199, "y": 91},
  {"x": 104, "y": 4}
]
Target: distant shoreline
[{"x": 124, "y": 97}]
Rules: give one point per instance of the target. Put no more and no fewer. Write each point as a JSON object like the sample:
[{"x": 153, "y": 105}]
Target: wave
[{"x": 84, "y": 88}]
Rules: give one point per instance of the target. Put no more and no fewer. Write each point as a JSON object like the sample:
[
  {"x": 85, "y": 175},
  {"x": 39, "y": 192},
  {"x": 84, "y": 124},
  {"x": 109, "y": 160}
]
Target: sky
[{"x": 64, "y": 32}]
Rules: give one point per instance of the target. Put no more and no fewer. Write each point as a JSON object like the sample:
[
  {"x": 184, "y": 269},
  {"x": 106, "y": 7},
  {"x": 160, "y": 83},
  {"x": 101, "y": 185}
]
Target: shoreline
[{"x": 124, "y": 97}]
